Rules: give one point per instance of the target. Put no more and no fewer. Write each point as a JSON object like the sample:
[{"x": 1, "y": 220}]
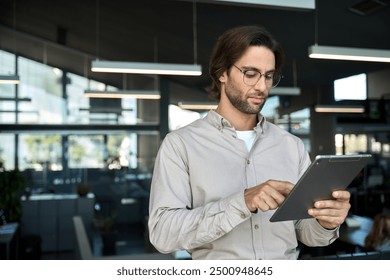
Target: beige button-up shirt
[{"x": 197, "y": 193}]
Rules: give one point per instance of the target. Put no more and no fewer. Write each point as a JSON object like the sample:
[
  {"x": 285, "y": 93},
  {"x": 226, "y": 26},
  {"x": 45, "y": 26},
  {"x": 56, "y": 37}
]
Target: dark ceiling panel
[{"x": 155, "y": 30}]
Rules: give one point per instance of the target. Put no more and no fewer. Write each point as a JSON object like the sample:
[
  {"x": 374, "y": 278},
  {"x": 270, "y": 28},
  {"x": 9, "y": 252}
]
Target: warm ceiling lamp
[
  {"x": 137, "y": 94},
  {"x": 285, "y": 91},
  {"x": 146, "y": 68},
  {"x": 153, "y": 68},
  {"x": 338, "y": 109},
  {"x": 192, "y": 105},
  {"x": 343, "y": 53},
  {"x": 9, "y": 79}
]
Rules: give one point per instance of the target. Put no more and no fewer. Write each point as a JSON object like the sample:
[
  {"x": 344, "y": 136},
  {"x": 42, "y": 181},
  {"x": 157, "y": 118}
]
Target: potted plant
[
  {"x": 82, "y": 189},
  {"x": 108, "y": 233},
  {"x": 12, "y": 186}
]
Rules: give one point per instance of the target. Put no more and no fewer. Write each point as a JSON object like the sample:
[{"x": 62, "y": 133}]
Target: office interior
[{"x": 81, "y": 167}]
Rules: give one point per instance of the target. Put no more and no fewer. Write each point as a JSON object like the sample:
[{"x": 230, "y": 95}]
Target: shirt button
[
  {"x": 218, "y": 233},
  {"x": 243, "y": 216},
  {"x": 256, "y": 226}
]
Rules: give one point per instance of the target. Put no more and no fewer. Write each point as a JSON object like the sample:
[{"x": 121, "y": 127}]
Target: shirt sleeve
[
  {"x": 173, "y": 223},
  {"x": 311, "y": 233}
]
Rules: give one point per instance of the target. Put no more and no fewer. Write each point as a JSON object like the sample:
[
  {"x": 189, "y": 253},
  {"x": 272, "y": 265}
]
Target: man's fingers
[
  {"x": 268, "y": 195},
  {"x": 282, "y": 187},
  {"x": 341, "y": 195}
]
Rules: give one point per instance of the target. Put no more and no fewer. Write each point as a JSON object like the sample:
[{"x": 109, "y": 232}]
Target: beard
[{"x": 239, "y": 100}]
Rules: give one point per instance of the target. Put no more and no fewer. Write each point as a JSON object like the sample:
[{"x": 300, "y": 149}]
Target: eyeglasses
[{"x": 252, "y": 76}]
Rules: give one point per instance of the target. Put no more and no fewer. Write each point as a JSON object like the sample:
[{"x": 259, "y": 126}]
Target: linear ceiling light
[
  {"x": 338, "y": 109},
  {"x": 197, "y": 105},
  {"x": 9, "y": 79},
  {"x": 137, "y": 94},
  {"x": 24, "y": 99},
  {"x": 297, "y": 4},
  {"x": 146, "y": 68},
  {"x": 342, "y": 53},
  {"x": 285, "y": 91}
]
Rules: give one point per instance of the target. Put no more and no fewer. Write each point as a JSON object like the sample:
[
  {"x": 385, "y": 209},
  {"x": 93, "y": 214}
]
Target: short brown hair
[
  {"x": 232, "y": 44},
  {"x": 379, "y": 232}
]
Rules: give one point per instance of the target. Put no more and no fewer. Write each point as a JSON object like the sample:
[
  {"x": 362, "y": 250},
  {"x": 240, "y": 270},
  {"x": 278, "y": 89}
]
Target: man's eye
[
  {"x": 269, "y": 76},
  {"x": 251, "y": 74}
]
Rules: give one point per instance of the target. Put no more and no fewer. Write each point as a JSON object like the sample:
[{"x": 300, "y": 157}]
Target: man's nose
[{"x": 261, "y": 84}]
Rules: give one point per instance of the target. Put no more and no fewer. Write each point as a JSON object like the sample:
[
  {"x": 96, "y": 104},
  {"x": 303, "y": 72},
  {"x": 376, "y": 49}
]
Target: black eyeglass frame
[{"x": 275, "y": 82}]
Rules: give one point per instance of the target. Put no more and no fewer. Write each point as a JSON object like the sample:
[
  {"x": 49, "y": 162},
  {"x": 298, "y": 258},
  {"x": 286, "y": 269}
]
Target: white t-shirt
[{"x": 248, "y": 136}]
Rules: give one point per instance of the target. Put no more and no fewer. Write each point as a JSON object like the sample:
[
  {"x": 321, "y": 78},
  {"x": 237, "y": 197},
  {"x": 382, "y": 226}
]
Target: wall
[{"x": 378, "y": 84}]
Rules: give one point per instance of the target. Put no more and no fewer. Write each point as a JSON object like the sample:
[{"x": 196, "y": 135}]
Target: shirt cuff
[{"x": 236, "y": 208}]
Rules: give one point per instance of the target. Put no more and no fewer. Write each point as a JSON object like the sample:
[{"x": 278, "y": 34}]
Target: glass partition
[
  {"x": 43, "y": 85},
  {"x": 7, "y": 151},
  {"x": 40, "y": 152},
  {"x": 8, "y": 91}
]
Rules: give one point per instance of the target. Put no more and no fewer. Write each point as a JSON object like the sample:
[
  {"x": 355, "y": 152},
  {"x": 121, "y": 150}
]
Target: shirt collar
[{"x": 220, "y": 122}]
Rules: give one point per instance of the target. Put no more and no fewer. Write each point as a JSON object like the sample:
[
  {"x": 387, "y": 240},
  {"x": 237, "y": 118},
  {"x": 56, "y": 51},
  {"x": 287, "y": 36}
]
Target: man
[{"x": 218, "y": 180}]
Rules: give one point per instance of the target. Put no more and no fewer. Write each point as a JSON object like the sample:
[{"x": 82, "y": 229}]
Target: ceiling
[{"x": 69, "y": 34}]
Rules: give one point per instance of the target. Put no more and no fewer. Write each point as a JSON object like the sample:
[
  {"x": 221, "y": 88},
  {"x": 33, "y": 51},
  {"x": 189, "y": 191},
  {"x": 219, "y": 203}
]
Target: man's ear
[{"x": 223, "y": 77}]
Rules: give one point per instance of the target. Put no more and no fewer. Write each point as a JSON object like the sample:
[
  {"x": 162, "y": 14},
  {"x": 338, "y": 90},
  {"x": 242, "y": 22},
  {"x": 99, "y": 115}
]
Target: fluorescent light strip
[
  {"x": 104, "y": 110},
  {"x": 13, "y": 79},
  {"x": 137, "y": 94},
  {"x": 298, "y": 4},
  {"x": 338, "y": 109},
  {"x": 197, "y": 105},
  {"x": 342, "y": 53},
  {"x": 146, "y": 68},
  {"x": 285, "y": 91},
  {"x": 25, "y": 99}
]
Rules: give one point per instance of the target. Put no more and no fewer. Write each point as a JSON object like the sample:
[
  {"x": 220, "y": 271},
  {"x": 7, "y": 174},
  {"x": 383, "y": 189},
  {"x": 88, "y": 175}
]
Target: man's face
[{"x": 249, "y": 99}]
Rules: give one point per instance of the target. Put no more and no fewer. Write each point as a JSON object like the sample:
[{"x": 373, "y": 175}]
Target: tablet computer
[{"x": 326, "y": 174}]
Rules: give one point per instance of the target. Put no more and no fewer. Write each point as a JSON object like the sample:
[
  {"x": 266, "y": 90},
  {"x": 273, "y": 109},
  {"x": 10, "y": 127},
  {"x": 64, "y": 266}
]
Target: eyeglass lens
[{"x": 251, "y": 77}]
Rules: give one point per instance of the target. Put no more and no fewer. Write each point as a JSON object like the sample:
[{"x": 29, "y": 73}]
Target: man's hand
[
  {"x": 332, "y": 213},
  {"x": 267, "y": 196}
]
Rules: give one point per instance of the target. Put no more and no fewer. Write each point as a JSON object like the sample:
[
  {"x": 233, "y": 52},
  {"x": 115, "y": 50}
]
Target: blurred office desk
[
  {"x": 9, "y": 239},
  {"x": 49, "y": 216},
  {"x": 355, "y": 229}
]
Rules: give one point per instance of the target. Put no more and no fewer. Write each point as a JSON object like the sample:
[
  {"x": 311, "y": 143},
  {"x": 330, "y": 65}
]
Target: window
[
  {"x": 7, "y": 63},
  {"x": 76, "y": 102},
  {"x": 86, "y": 151},
  {"x": 43, "y": 84},
  {"x": 351, "y": 88},
  {"x": 7, "y": 108},
  {"x": 179, "y": 117},
  {"x": 122, "y": 151},
  {"x": 351, "y": 144},
  {"x": 298, "y": 123},
  {"x": 270, "y": 109},
  {"x": 40, "y": 152},
  {"x": 7, "y": 151}
]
